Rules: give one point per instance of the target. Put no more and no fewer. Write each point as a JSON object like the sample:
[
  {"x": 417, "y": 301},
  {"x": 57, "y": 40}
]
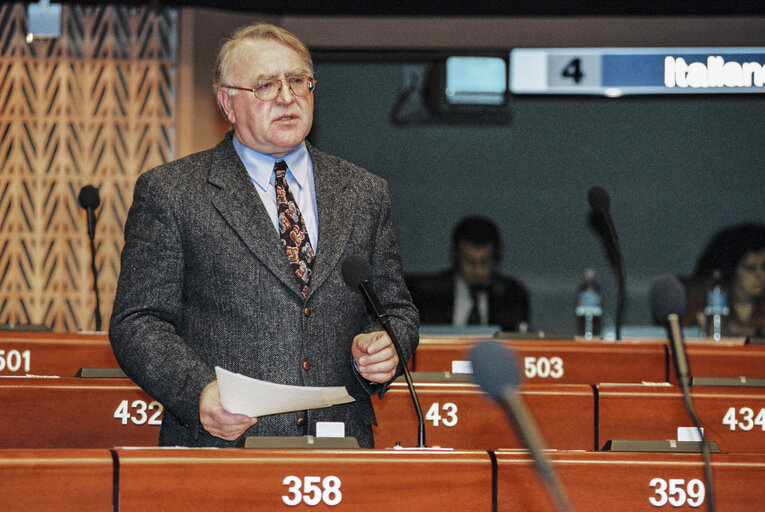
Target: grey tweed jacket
[{"x": 204, "y": 281}]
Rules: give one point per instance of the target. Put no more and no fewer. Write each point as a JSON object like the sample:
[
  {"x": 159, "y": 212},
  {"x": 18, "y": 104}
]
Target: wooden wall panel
[{"x": 96, "y": 106}]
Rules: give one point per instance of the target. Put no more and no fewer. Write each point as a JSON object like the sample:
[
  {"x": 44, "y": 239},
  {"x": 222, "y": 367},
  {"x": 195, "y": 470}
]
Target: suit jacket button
[
  {"x": 300, "y": 422},
  {"x": 307, "y": 311},
  {"x": 306, "y": 365}
]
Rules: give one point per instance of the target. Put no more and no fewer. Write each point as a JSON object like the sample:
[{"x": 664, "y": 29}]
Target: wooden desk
[
  {"x": 76, "y": 413},
  {"x": 102, "y": 413},
  {"x": 61, "y": 480},
  {"x": 734, "y": 418},
  {"x": 605, "y": 481},
  {"x": 460, "y": 416},
  {"x": 187, "y": 480},
  {"x": 47, "y": 353},
  {"x": 559, "y": 362},
  {"x": 725, "y": 360}
]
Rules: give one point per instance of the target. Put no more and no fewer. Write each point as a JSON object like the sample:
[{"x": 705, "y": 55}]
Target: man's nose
[{"x": 285, "y": 93}]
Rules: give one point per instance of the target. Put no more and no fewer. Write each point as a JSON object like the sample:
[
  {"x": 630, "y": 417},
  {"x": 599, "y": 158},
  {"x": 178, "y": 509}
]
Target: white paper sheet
[{"x": 240, "y": 394}]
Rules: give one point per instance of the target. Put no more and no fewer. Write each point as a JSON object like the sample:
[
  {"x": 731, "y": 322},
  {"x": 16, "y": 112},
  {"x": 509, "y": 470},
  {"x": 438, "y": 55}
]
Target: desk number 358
[{"x": 312, "y": 490}]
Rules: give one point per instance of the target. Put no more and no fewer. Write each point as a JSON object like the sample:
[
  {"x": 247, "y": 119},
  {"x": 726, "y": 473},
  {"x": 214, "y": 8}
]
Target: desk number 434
[{"x": 744, "y": 419}]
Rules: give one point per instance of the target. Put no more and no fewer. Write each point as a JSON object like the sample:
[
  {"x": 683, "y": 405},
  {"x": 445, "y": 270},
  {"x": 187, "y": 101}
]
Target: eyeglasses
[{"x": 266, "y": 91}]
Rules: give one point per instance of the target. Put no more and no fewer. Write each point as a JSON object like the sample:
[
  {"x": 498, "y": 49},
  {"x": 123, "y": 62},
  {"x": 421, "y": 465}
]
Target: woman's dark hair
[{"x": 727, "y": 247}]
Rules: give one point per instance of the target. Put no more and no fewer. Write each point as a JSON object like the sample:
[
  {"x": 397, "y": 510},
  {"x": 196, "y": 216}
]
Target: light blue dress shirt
[{"x": 299, "y": 178}]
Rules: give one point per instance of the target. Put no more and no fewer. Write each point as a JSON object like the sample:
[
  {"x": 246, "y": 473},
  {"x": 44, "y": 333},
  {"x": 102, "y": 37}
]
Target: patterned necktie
[
  {"x": 475, "y": 313},
  {"x": 292, "y": 230}
]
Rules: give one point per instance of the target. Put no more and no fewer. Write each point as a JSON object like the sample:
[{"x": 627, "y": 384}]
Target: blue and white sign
[{"x": 619, "y": 71}]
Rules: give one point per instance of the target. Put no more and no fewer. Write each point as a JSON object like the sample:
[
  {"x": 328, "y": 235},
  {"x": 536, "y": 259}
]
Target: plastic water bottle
[
  {"x": 589, "y": 311},
  {"x": 716, "y": 310}
]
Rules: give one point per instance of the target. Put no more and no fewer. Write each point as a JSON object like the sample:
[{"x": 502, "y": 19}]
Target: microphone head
[
  {"x": 356, "y": 270},
  {"x": 495, "y": 368},
  {"x": 598, "y": 198},
  {"x": 667, "y": 296},
  {"x": 88, "y": 197}
]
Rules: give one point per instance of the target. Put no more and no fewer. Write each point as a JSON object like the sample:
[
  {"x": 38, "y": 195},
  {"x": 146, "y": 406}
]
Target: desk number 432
[{"x": 139, "y": 412}]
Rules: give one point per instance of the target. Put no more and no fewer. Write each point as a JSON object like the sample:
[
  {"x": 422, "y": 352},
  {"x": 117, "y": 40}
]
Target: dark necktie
[
  {"x": 475, "y": 313},
  {"x": 292, "y": 230}
]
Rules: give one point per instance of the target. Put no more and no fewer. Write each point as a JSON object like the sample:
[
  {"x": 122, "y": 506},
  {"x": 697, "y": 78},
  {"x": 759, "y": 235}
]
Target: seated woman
[{"x": 738, "y": 253}]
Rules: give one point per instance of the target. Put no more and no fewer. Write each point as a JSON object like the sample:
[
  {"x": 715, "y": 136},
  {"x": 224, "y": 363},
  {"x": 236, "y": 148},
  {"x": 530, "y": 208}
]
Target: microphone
[
  {"x": 496, "y": 370},
  {"x": 89, "y": 200},
  {"x": 600, "y": 203},
  {"x": 668, "y": 303},
  {"x": 667, "y": 299},
  {"x": 357, "y": 274}
]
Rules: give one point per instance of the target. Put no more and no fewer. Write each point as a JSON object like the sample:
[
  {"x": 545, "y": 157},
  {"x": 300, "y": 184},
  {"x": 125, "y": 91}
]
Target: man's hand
[
  {"x": 218, "y": 421},
  {"x": 375, "y": 356}
]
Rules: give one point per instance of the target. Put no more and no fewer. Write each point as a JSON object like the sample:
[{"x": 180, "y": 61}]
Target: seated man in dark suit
[{"x": 472, "y": 292}]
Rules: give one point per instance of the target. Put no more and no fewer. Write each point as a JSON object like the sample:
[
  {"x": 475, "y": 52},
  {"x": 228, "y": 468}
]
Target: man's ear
[{"x": 224, "y": 102}]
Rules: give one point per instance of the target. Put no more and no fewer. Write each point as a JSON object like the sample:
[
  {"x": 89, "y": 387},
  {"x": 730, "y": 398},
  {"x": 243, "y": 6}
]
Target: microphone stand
[
  {"x": 532, "y": 439},
  {"x": 683, "y": 376},
  {"x": 382, "y": 317},
  {"x": 620, "y": 298},
  {"x": 618, "y": 260},
  {"x": 94, "y": 270},
  {"x": 599, "y": 202}
]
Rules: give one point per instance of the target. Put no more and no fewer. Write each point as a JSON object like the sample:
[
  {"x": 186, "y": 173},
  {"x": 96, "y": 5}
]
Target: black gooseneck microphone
[
  {"x": 357, "y": 274},
  {"x": 668, "y": 302},
  {"x": 495, "y": 369},
  {"x": 90, "y": 200},
  {"x": 600, "y": 203}
]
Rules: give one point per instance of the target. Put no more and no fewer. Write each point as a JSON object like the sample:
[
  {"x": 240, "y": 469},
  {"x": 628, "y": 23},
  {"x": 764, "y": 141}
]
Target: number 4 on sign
[{"x": 573, "y": 70}]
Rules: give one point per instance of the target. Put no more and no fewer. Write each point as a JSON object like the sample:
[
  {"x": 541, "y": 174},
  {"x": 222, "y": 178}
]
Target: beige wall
[{"x": 200, "y": 124}]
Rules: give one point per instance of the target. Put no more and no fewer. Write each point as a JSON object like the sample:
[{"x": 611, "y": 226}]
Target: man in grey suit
[{"x": 206, "y": 280}]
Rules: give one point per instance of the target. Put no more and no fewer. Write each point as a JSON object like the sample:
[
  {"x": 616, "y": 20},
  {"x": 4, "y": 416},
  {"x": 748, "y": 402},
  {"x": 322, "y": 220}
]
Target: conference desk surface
[
  {"x": 542, "y": 361},
  {"x": 38, "y": 412},
  {"x": 197, "y": 479},
  {"x": 189, "y": 480},
  {"x": 734, "y": 418},
  {"x": 595, "y": 362},
  {"x": 48, "y": 353},
  {"x": 267, "y": 480},
  {"x": 558, "y": 362},
  {"x": 69, "y": 412},
  {"x": 60, "y": 480},
  {"x": 634, "y": 482},
  {"x": 459, "y": 415},
  {"x": 101, "y": 413},
  {"x": 725, "y": 360}
]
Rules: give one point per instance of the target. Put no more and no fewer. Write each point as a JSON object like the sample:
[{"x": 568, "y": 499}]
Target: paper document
[{"x": 244, "y": 395}]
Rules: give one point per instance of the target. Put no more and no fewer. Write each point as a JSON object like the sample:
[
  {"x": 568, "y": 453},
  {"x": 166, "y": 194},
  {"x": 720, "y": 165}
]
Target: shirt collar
[{"x": 260, "y": 166}]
